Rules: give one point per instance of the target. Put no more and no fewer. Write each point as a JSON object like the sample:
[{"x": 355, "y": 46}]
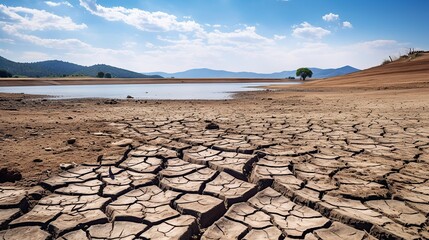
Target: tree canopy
[
  {"x": 108, "y": 75},
  {"x": 5, "y": 74},
  {"x": 100, "y": 74},
  {"x": 303, "y": 73}
]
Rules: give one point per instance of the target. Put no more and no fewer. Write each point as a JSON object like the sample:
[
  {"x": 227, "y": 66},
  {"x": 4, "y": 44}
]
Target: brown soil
[
  {"x": 405, "y": 73},
  {"x": 341, "y": 149}
]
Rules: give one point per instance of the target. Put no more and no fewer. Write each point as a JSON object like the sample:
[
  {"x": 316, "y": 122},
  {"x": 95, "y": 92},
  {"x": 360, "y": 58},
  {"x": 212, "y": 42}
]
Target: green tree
[
  {"x": 100, "y": 74},
  {"x": 108, "y": 75},
  {"x": 5, "y": 74},
  {"x": 303, "y": 73}
]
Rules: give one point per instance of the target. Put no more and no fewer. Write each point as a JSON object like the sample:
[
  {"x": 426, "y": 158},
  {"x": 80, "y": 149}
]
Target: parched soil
[{"x": 289, "y": 164}]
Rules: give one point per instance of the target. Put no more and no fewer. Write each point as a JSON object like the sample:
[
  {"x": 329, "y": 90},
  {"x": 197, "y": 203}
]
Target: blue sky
[{"x": 236, "y": 35}]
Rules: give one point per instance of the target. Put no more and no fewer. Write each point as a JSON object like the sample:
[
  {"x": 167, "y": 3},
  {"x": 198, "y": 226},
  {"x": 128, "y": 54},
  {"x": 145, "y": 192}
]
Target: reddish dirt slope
[{"x": 404, "y": 73}]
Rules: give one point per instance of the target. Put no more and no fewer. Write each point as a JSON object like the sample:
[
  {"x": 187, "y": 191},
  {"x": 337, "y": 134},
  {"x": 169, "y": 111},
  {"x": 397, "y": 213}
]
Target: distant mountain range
[
  {"x": 56, "y": 68},
  {"x": 210, "y": 73}
]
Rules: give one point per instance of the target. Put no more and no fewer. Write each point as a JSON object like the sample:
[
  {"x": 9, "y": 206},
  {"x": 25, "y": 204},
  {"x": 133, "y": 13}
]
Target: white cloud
[
  {"x": 57, "y": 4},
  {"x": 306, "y": 30},
  {"x": 331, "y": 17},
  {"x": 245, "y": 36},
  {"x": 347, "y": 24},
  {"x": 185, "y": 53},
  {"x": 279, "y": 37},
  {"x": 32, "y": 56},
  {"x": 68, "y": 46},
  {"x": 47, "y": 42},
  {"x": 5, "y": 51},
  {"x": 21, "y": 18},
  {"x": 189, "y": 45},
  {"x": 129, "y": 44},
  {"x": 381, "y": 43},
  {"x": 7, "y": 40},
  {"x": 140, "y": 19},
  {"x": 149, "y": 45}
]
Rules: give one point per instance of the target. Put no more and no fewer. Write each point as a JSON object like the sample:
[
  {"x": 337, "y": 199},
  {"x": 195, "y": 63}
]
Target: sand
[{"x": 328, "y": 159}]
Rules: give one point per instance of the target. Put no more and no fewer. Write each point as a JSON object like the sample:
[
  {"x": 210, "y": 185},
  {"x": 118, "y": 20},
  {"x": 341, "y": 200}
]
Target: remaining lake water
[{"x": 182, "y": 91}]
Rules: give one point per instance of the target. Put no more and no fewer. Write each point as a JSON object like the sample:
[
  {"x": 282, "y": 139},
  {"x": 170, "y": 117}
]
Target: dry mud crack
[{"x": 269, "y": 178}]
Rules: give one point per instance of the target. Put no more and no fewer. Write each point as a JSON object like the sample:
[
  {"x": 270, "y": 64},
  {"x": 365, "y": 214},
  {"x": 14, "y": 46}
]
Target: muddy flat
[{"x": 345, "y": 160}]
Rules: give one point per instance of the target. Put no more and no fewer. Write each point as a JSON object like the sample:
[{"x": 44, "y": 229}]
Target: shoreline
[{"x": 16, "y": 82}]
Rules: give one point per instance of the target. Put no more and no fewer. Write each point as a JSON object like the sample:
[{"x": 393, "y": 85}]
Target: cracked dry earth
[{"x": 363, "y": 175}]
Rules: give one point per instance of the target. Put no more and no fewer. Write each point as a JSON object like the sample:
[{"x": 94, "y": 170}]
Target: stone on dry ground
[{"x": 313, "y": 177}]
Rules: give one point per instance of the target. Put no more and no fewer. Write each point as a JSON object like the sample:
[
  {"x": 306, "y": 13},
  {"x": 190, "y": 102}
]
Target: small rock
[
  {"x": 67, "y": 166},
  {"x": 37, "y": 160},
  {"x": 212, "y": 126},
  {"x": 123, "y": 143},
  {"x": 71, "y": 141},
  {"x": 9, "y": 175},
  {"x": 129, "y": 97},
  {"x": 48, "y": 149},
  {"x": 111, "y": 101},
  {"x": 69, "y": 118}
]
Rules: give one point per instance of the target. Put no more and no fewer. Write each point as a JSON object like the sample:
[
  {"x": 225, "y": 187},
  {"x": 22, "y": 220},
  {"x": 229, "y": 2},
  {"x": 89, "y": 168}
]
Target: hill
[
  {"x": 55, "y": 68},
  {"x": 410, "y": 71},
  {"x": 210, "y": 73}
]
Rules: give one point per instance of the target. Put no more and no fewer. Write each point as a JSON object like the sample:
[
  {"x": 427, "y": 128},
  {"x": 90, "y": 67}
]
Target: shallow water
[{"x": 182, "y": 91}]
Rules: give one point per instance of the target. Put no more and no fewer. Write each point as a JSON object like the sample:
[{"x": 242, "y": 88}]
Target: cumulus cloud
[
  {"x": 32, "y": 56},
  {"x": 247, "y": 35},
  {"x": 347, "y": 24},
  {"x": 7, "y": 40},
  {"x": 47, "y": 42},
  {"x": 21, "y": 18},
  {"x": 129, "y": 44},
  {"x": 20, "y": 21},
  {"x": 190, "y": 32},
  {"x": 140, "y": 19},
  {"x": 279, "y": 37},
  {"x": 57, "y": 4},
  {"x": 331, "y": 17},
  {"x": 308, "y": 31},
  {"x": 263, "y": 57},
  {"x": 380, "y": 43},
  {"x": 196, "y": 45}
]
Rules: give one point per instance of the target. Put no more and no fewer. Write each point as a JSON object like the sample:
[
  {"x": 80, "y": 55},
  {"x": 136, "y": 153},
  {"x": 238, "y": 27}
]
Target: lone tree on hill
[
  {"x": 108, "y": 75},
  {"x": 100, "y": 74},
  {"x": 303, "y": 73},
  {"x": 5, "y": 74}
]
